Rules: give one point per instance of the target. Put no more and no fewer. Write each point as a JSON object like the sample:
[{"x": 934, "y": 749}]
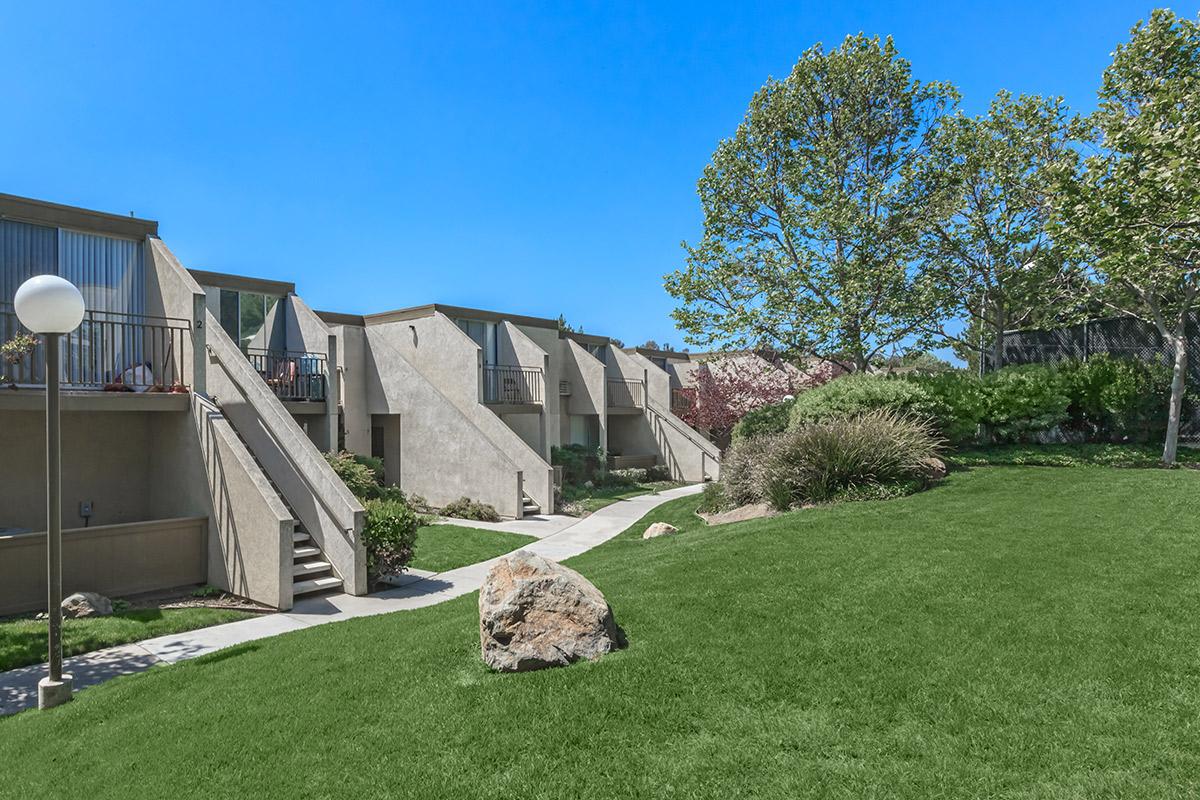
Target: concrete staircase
[
  {"x": 311, "y": 573},
  {"x": 529, "y": 508}
]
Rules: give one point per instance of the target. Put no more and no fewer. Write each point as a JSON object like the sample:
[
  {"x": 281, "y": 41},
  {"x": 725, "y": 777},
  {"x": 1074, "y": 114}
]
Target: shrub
[
  {"x": 1020, "y": 401},
  {"x": 624, "y": 477},
  {"x": 358, "y": 477},
  {"x": 767, "y": 419},
  {"x": 881, "y": 451},
  {"x": 373, "y": 464},
  {"x": 580, "y": 463},
  {"x": 959, "y": 397},
  {"x": 713, "y": 499},
  {"x": 857, "y": 394},
  {"x": 390, "y": 535},
  {"x": 1116, "y": 399},
  {"x": 466, "y": 508}
]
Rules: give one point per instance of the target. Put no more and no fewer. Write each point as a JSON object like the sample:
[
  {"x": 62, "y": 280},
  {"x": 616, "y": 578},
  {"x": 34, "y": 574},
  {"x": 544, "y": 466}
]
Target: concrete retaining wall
[{"x": 113, "y": 560}]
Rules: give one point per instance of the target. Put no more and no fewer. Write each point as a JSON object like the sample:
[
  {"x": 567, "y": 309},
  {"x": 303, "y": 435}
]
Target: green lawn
[
  {"x": 588, "y": 501},
  {"x": 1014, "y": 632},
  {"x": 444, "y": 547},
  {"x": 23, "y": 641}
]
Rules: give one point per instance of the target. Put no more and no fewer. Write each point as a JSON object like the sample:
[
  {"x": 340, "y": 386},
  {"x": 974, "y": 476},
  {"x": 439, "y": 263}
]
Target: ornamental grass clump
[{"x": 879, "y": 453}]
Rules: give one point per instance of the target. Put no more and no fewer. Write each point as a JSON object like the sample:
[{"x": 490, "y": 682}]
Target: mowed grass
[
  {"x": 444, "y": 547},
  {"x": 23, "y": 641},
  {"x": 1014, "y": 632}
]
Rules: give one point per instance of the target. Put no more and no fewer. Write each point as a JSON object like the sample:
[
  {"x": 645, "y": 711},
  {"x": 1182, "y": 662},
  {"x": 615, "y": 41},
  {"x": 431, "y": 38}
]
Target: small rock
[
  {"x": 659, "y": 529},
  {"x": 536, "y": 613},
  {"x": 86, "y": 604}
]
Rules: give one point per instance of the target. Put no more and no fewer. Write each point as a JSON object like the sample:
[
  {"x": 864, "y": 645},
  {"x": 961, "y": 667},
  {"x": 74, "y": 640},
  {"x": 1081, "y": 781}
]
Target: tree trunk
[
  {"x": 1178, "y": 386},
  {"x": 999, "y": 320}
]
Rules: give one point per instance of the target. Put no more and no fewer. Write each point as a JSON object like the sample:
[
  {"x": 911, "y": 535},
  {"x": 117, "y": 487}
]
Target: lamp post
[{"x": 51, "y": 306}]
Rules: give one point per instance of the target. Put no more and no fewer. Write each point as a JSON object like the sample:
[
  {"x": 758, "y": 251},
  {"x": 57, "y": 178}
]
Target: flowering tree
[{"x": 728, "y": 389}]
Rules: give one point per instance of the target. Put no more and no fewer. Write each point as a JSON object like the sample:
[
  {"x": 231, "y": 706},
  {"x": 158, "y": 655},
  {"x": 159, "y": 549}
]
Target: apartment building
[{"x": 198, "y": 405}]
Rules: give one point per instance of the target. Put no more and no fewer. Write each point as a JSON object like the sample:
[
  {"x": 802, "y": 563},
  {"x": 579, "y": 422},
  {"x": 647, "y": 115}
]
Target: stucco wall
[
  {"x": 132, "y": 466},
  {"x": 444, "y": 454},
  {"x": 113, "y": 560},
  {"x": 450, "y": 362}
]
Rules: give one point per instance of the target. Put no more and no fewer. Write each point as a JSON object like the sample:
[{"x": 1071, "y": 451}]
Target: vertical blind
[{"x": 109, "y": 271}]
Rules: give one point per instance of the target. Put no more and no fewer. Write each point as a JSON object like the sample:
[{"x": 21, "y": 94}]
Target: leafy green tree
[
  {"x": 812, "y": 215},
  {"x": 1133, "y": 212},
  {"x": 990, "y": 262}
]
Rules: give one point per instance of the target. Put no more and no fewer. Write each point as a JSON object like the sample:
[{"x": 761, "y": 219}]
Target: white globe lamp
[{"x": 49, "y": 304}]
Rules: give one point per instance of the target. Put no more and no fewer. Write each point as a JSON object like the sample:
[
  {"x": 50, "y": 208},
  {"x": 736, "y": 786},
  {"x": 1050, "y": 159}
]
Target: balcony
[
  {"x": 512, "y": 386},
  {"x": 682, "y": 401},
  {"x": 293, "y": 375},
  {"x": 626, "y": 394},
  {"x": 110, "y": 351}
]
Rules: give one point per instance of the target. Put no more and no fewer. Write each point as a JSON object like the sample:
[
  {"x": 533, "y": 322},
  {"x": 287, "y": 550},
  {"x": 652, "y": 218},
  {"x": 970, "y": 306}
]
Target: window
[
  {"x": 108, "y": 270},
  {"x": 600, "y": 351},
  {"x": 484, "y": 335},
  {"x": 244, "y": 316}
]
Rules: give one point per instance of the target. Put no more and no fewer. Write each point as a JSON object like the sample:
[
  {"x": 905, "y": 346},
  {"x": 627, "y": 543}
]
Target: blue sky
[{"x": 540, "y": 159}]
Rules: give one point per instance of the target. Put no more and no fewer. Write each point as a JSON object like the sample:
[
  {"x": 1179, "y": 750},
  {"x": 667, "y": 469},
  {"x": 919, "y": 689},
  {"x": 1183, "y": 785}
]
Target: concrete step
[
  {"x": 305, "y": 551},
  {"x": 311, "y": 568},
  {"x": 316, "y": 585},
  {"x": 299, "y": 537}
]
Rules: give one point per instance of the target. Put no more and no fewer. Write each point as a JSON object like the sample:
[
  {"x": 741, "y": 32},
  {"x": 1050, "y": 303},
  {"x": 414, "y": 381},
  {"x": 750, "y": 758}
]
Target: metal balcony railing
[
  {"x": 626, "y": 394},
  {"x": 682, "y": 401},
  {"x": 109, "y": 350},
  {"x": 291, "y": 374},
  {"x": 505, "y": 385}
]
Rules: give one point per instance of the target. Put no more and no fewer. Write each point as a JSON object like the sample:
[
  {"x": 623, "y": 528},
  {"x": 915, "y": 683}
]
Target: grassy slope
[
  {"x": 1014, "y": 632},
  {"x": 23, "y": 641},
  {"x": 444, "y": 547},
  {"x": 1070, "y": 455}
]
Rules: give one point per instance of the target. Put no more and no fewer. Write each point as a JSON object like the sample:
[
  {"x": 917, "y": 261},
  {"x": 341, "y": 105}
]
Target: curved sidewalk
[{"x": 18, "y": 687}]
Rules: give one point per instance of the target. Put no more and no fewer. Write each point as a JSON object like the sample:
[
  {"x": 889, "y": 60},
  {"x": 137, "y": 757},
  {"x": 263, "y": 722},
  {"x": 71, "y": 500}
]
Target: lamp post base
[{"x": 54, "y": 693}]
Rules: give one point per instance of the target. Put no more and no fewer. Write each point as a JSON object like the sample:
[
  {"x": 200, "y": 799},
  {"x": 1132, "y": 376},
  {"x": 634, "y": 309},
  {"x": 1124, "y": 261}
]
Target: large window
[
  {"x": 600, "y": 351},
  {"x": 109, "y": 270},
  {"x": 245, "y": 317},
  {"x": 484, "y": 335}
]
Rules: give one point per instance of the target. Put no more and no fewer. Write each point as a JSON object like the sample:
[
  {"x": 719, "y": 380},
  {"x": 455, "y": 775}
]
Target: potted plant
[{"x": 16, "y": 350}]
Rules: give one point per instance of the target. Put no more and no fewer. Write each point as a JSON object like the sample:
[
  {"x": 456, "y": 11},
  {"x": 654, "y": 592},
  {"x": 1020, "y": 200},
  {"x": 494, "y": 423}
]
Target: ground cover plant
[
  {"x": 446, "y": 547},
  {"x": 994, "y": 636},
  {"x": 23, "y": 639}
]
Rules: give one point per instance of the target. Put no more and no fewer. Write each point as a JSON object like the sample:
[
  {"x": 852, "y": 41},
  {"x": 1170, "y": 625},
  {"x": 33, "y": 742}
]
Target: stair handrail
[
  {"x": 692, "y": 434},
  {"x": 271, "y": 410}
]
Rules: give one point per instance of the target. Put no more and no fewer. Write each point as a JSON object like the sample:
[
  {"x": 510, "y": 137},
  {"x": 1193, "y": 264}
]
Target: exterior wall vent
[{"x": 564, "y": 388}]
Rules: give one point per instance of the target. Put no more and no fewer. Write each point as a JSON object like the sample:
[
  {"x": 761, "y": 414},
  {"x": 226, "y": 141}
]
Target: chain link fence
[{"x": 1120, "y": 336}]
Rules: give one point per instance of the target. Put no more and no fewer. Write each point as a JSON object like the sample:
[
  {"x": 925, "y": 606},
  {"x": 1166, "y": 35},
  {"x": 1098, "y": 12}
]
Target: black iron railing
[
  {"x": 109, "y": 350},
  {"x": 291, "y": 374},
  {"x": 504, "y": 385},
  {"x": 626, "y": 394}
]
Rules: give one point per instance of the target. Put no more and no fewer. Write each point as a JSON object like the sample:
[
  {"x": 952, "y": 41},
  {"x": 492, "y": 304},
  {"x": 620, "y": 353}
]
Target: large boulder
[
  {"x": 740, "y": 514},
  {"x": 536, "y": 613},
  {"x": 86, "y": 604},
  {"x": 659, "y": 529}
]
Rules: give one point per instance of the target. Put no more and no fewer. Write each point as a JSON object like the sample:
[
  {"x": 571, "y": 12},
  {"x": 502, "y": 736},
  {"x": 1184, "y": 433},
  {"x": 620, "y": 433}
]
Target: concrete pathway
[{"x": 416, "y": 589}]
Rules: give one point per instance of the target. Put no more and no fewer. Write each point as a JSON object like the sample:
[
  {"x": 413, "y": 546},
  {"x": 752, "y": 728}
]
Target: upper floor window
[
  {"x": 484, "y": 335},
  {"x": 600, "y": 351},
  {"x": 248, "y": 318},
  {"x": 109, "y": 270}
]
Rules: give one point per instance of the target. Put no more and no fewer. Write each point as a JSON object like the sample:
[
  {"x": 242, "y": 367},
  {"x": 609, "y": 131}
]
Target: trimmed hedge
[
  {"x": 1104, "y": 399},
  {"x": 390, "y": 536},
  {"x": 767, "y": 419}
]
